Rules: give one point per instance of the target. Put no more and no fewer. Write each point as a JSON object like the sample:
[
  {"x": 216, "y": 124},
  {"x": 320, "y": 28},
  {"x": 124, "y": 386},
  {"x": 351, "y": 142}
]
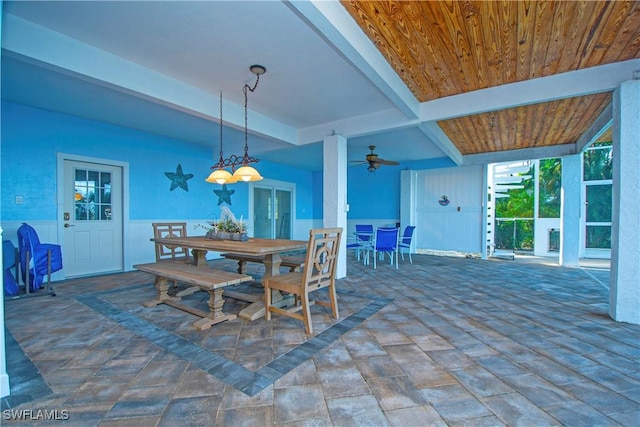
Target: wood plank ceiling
[{"x": 444, "y": 48}]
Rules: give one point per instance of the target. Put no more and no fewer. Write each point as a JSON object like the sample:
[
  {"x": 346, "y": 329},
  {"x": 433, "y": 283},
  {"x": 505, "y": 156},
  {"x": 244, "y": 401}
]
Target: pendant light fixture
[
  {"x": 247, "y": 173},
  {"x": 219, "y": 174}
]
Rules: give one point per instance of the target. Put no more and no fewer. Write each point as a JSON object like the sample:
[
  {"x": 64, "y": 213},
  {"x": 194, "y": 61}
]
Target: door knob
[{"x": 67, "y": 225}]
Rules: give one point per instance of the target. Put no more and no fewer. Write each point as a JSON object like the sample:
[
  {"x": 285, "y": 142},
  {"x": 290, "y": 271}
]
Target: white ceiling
[{"x": 159, "y": 66}]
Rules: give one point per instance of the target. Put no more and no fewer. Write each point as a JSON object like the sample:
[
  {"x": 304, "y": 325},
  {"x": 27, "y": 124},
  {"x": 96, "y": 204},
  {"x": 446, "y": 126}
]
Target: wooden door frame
[{"x": 61, "y": 158}]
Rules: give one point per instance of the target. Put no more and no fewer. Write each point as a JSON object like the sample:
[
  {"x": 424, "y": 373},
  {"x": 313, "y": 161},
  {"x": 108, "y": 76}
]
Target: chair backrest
[
  {"x": 408, "y": 234},
  {"x": 163, "y": 230},
  {"x": 322, "y": 258},
  {"x": 42, "y": 259},
  {"x": 364, "y": 232},
  {"x": 386, "y": 239},
  {"x": 28, "y": 240}
]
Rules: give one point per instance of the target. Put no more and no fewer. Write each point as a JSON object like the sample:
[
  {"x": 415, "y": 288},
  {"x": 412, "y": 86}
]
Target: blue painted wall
[
  {"x": 31, "y": 139},
  {"x": 377, "y": 195},
  {"x": 373, "y": 195}
]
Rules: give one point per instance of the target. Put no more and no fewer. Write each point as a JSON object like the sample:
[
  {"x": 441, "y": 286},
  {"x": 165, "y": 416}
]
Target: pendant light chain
[
  {"x": 245, "y": 172},
  {"x": 221, "y": 154},
  {"x": 246, "y": 126}
]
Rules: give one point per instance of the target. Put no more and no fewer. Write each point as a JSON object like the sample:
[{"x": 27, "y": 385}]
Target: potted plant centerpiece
[{"x": 227, "y": 227}]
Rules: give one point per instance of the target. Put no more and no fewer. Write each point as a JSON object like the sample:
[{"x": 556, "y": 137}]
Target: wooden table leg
[
  {"x": 199, "y": 257},
  {"x": 199, "y": 260},
  {"x": 256, "y": 310},
  {"x": 215, "y": 315}
]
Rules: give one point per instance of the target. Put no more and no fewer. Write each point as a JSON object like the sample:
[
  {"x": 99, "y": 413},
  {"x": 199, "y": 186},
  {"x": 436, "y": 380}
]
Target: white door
[{"x": 92, "y": 218}]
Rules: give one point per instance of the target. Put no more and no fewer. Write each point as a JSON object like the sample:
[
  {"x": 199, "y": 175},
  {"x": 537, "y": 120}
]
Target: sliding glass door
[{"x": 272, "y": 210}]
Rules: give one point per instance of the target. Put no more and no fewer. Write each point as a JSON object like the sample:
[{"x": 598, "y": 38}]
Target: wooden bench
[
  {"x": 293, "y": 262},
  {"x": 207, "y": 279}
]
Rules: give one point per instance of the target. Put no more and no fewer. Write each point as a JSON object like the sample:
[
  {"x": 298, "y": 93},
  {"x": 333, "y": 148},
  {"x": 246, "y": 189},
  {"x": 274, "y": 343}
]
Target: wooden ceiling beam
[
  {"x": 587, "y": 81},
  {"x": 519, "y": 154}
]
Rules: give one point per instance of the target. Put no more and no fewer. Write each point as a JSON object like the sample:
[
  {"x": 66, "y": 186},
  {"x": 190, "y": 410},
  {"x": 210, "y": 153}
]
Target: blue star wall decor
[
  {"x": 224, "y": 195},
  {"x": 179, "y": 179}
]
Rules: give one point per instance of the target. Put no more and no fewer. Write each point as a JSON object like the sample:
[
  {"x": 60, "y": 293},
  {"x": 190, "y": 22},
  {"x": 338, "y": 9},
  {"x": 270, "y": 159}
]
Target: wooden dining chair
[
  {"x": 164, "y": 230},
  {"x": 319, "y": 272}
]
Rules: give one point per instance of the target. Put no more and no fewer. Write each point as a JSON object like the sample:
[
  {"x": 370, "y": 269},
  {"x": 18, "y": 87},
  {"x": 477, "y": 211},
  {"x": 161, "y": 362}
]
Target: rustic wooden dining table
[{"x": 270, "y": 249}]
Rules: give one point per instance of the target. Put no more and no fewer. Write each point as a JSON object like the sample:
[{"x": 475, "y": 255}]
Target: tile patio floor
[{"x": 445, "y": 341}]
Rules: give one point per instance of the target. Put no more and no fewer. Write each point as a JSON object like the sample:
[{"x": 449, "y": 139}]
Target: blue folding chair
[
  {"x": 405, "y": 241},
  {"x": 37, "y": 260},
  {"x": 386, "y": 242}
]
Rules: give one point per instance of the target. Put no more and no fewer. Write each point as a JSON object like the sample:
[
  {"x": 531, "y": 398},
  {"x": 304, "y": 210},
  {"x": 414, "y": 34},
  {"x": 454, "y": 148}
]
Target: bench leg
[
  {"x": 162, "y": 288},
  {"x": 215, "y": 315}
]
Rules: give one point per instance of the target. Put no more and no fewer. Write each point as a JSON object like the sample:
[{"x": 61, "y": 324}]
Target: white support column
[
  {"x": 408, "y": 181},
  {"x": 570, "y": 210},
  {"x": 334, "y": 201},
  {"x": 624, "y": 290},
  {"x": 4, "y": 376}
]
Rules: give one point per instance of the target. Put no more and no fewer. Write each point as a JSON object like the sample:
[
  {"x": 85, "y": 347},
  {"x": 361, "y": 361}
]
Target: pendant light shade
[
  {"x": 219, "y": 176},
  {"x": 247, "y": 174}
]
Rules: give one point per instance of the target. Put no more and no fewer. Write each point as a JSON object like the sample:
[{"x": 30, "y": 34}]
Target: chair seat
[{"x": 289, "y": 282}]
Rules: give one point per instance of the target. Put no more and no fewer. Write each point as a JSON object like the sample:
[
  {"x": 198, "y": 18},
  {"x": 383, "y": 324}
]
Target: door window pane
[
  {"x": 92, "y": 195},
  {"x": 598, "y": 164},
  {"x": 598, "y": 237},
  {"x": 283, "y": 218},
  {"x": 599, "y": 203},
  {"x": 262, "y": 213}
]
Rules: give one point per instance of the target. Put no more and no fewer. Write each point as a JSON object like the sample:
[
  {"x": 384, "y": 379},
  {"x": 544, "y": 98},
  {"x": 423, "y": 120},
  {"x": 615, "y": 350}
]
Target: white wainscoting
[{"x": 140, "y": 249}]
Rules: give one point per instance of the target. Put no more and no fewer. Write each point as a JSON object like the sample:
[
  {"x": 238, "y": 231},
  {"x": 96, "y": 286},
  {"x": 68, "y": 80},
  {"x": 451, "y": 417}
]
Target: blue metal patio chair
[
  {"x": 386, "y": 242},
  {"x": 405, "y": 241},
  {"x": 364, "y": 239}
]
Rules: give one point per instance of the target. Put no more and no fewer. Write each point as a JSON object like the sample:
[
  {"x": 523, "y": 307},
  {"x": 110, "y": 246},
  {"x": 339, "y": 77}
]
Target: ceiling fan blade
[{"x": 387, "y": 162}]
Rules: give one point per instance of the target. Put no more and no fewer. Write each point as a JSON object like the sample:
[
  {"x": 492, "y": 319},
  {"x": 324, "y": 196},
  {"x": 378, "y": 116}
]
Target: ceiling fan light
[
  {"x": 220, "y": 176},
  {"x": 247, "y": 174}
]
